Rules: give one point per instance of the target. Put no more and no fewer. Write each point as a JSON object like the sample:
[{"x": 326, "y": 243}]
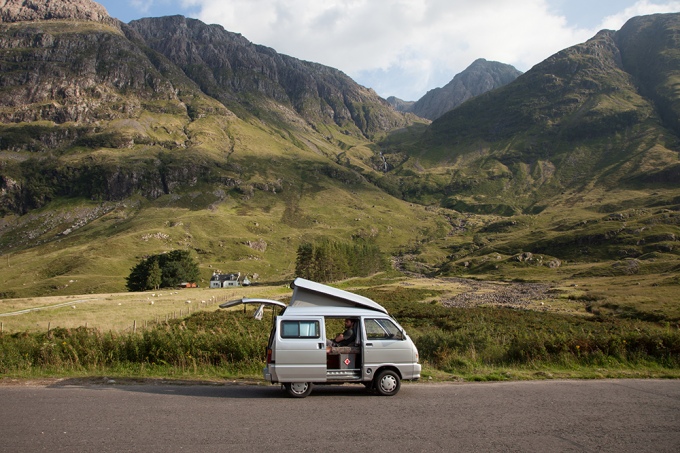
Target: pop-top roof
[{"x": 309, "y": 293}]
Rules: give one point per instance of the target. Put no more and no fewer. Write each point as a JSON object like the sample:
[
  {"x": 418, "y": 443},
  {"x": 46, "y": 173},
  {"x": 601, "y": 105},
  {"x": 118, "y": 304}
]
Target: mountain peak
[
  {"x": 478, "y": 78},
  {"x": 32, "y": 10}
]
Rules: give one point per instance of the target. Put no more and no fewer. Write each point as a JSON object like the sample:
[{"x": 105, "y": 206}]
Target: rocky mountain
[
  {"x": 30, "y": 10},
  {"x": 399, "y": 104},
  {"x": 602, "y": 114},
  {"x": 478, "y": 78},
  {"x": 79, "y": 80},
  {"x": 231, "y": 69},
  {"x": 119, "y": 141},
  {"x": 169, "y": 133}
]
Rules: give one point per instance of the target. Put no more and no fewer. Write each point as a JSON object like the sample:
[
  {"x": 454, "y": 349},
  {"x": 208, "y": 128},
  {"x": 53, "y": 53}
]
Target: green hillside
[{"x": 122, "y": 141}]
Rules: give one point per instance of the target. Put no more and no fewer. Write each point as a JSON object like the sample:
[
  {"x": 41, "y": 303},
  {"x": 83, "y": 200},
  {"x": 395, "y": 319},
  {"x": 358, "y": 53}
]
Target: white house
[{"x": 225, "y": 280}]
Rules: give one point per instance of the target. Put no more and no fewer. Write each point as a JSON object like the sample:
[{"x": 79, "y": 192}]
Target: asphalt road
[{"x": 580, "y": 416}]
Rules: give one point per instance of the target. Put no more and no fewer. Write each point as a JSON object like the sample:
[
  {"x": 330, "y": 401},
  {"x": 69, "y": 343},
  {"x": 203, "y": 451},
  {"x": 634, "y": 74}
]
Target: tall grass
[
  {"x": 456, "y": 341},
  {"x": 205, "y": 340}
]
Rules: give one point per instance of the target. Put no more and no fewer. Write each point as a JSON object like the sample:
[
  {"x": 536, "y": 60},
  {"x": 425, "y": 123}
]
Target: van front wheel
[
  {"x": 387, "y": 383},
  {"x": 298, "y": 389}
]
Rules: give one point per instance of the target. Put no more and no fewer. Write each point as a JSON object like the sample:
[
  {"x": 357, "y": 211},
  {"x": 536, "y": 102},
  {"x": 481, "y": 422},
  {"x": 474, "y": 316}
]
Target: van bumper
[
  {"x": 417, "y": 368},
  {"x": 267, "y": 375}
]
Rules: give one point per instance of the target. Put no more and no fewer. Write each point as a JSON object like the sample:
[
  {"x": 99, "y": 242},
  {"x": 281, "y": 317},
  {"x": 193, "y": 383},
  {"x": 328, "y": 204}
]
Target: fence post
[
  {"x": 2, "y": 327},
  {"x": 48, "y": 326}
]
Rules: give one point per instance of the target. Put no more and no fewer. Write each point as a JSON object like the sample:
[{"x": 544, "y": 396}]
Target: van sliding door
[{"x": 301, "y": 350}]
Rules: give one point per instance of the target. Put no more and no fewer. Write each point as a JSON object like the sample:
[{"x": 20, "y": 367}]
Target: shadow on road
[{"x": 230, "y": 389}]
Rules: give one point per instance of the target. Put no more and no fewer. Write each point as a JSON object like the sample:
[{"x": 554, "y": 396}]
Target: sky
[{"x": 405, "y": 48}]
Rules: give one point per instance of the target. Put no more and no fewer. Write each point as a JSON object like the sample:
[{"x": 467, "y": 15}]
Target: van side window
[
  {"x": 300, "y": 329},
  {"x": 382, "y": 329}
]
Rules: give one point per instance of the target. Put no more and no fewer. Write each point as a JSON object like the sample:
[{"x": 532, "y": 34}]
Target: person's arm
[{"x": 347, "y": 337}]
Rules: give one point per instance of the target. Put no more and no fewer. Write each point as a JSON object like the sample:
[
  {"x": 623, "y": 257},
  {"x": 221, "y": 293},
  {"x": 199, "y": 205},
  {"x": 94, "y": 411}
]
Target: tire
[
  {"x": 298, "y": 389},
  {"x": 387, "y": 383}
]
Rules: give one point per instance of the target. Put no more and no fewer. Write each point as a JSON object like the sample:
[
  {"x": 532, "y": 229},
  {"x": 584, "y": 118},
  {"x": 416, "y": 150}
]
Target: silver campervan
[{"x": 380, "y": 355}]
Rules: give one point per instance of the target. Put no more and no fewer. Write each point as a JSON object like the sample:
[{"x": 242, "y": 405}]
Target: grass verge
[{"x": 471, "y": 344}]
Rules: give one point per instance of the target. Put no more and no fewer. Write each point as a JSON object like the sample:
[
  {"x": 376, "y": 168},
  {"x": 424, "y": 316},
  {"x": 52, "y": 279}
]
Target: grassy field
[
  {"x": 464, "y": 330},
  {"x": 119, "y": 312}
]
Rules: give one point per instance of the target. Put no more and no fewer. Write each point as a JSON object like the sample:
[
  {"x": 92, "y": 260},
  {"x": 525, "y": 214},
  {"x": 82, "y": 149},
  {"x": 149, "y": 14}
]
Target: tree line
[
  {"x": 329, "y": 260},
  {"x": 165, "y": 270}
]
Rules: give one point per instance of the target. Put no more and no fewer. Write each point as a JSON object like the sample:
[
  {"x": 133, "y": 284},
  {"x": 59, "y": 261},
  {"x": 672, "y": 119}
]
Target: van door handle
[
  {"x": 369, "y": 344},
  {"x": 321, "y": 345}
]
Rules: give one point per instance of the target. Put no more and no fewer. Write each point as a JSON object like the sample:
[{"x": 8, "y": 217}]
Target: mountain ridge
[
  {"x": 169, "y": 133},
  {"x": 224, "y": 59},
  {"x": 580, "y": 98}
]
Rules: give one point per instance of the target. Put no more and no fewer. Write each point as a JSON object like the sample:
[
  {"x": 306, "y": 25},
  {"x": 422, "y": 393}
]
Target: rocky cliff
[
  {"x": 40, "y": 10},
  {"x": 237, "y": 72}
]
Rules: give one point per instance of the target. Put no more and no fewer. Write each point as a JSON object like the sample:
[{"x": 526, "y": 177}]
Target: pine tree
[
  {"x": 330, "y": 260},
  {"x": 153, "y": 279}
]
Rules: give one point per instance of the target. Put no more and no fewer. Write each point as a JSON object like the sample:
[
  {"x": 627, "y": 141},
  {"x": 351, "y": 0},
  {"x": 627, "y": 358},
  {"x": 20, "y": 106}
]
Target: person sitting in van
[{"x": 346, "y": 338}]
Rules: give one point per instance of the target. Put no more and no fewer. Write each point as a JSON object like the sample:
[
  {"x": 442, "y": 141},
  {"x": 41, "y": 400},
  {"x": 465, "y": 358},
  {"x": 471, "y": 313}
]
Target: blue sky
[{"x": 406, "y": 47}]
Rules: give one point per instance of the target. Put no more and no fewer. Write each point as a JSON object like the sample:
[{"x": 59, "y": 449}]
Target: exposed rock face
[
  {"x": 54, "y": 87},
  {"x": 69, "y": 89},
  {"x": 231, "y": 69},
  {"x": 649, "y": 51},
  {"x": 481, "y": 76},
  {"x": 33, "y": 10},
  {"x": 399, "y": 104}
]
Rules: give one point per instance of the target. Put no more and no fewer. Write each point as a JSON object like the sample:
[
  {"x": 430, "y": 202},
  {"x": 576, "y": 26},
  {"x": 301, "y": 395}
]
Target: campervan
[{"x": 299, "y": 356}]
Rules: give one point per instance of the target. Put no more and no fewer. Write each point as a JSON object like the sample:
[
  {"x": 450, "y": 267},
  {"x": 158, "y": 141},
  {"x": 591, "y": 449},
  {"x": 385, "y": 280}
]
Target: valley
[{"x": 552, "y": 194}]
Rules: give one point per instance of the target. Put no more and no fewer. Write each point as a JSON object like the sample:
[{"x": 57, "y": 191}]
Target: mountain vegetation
[
  {"x": 329, "y": 261},
  {"x": 124, "y": 141}
]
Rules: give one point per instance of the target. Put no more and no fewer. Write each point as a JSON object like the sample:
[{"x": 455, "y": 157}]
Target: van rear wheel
[
  {"x": 387, "y": 383},
  {"x": 298, "y": 389}
]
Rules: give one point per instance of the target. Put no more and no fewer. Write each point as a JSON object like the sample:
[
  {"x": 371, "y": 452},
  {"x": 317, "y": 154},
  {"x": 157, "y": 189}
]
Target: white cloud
[
  {"x": 641, "y": 8},
  {"x": 142, "y": 6},
  {"x": 419, "y": 43}
]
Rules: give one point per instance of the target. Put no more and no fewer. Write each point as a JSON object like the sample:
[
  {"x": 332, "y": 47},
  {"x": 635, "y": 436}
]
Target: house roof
[{"x": 223, "y": 277}]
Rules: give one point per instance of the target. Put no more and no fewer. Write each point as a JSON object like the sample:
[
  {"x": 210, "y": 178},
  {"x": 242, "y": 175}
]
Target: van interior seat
[{"x": 344, "y": 350}]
